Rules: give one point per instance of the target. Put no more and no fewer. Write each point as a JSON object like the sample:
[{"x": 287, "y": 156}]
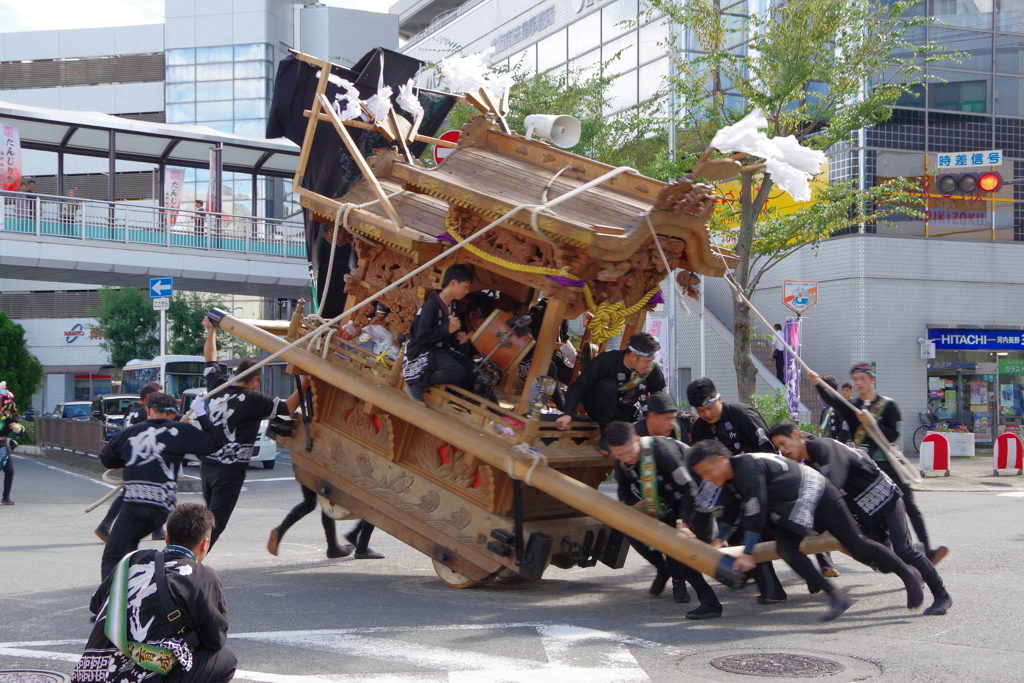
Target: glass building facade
[
  {"x": 227, "y": 88},
  {"x": 974, "y": 104}
]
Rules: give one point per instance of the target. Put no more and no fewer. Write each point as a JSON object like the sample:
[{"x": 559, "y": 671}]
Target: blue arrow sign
[{"x": 160, "y": 287}]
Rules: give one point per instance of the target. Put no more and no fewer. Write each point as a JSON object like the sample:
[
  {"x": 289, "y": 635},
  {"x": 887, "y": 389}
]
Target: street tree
[
  {"x": 185, "y": 321},
  {"x": 129, "y": 325},
  {"x": 634, "y": 137},
  {"x": 818, "y": 70},
  {"x": 18, "y": 367}
]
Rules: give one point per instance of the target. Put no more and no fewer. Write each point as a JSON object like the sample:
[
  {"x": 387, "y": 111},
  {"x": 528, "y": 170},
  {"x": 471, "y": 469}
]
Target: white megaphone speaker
[{"x": 562, "y": 131}]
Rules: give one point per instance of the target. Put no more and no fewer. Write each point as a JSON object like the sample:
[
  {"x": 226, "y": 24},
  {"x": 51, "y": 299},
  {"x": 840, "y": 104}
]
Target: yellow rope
[
  {"x": 610, "y": 319},
  {"x": 497, "y": 260}
]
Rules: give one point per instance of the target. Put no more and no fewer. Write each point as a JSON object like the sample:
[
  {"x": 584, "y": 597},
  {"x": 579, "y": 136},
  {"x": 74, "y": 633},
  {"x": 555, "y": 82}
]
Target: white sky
[{"x": 33, "y": 15}]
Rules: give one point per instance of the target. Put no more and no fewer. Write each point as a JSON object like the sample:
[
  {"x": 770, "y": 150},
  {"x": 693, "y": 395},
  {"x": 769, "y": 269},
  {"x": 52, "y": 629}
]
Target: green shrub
[{"x": 773, "y": 406}]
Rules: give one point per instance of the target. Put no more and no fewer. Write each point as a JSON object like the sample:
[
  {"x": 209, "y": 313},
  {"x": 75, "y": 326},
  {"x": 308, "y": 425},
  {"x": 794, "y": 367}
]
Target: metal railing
[
  {"x": 443, "y": 19},
  {"x": 77, "y": 436},
  {"x": 132, "y": 223}
]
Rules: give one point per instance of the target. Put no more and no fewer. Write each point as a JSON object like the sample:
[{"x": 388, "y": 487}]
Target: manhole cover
[
  {"x": 777, "y": 665},
  {"x": 25, "y": 676}
]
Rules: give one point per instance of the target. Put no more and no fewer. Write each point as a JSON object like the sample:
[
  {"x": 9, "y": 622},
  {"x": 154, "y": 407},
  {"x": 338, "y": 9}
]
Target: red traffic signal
[
  {"x": 990, "y": 182},
  {"x": 968, "y": 183}
]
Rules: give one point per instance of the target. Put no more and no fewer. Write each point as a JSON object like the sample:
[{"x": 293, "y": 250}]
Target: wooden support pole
[
  {"x": 812, "y": 545},
  {"x": 357, "y": 156},
  {"x": 495, "y": 452},
  {"x": 307, "y": 141},
  {"x": 548, "y": 337}
]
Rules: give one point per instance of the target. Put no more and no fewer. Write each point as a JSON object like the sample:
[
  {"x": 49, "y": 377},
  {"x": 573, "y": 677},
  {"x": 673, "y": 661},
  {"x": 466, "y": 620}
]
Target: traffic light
[{"x": 968, "y": 183}]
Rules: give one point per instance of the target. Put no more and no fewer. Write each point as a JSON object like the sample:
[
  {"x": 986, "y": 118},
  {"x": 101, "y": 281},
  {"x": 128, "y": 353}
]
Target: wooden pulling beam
[{"x": 497, "y": 453}]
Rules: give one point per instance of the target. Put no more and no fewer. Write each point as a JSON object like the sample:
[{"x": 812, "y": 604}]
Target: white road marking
[
  {"x": 253, "y": 481},
  {"x": 569, "y": 651},
  {"x": 1015, "y": 494},
  {"x": 73, "y": 474}
]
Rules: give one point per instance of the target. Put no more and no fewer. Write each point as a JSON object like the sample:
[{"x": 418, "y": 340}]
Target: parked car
[
  {"x": 73, "y": 410},
  {"x": 110, "y": 409},
  {"x": 29, "y": 415},
  {"x": 266, "y": 448}
]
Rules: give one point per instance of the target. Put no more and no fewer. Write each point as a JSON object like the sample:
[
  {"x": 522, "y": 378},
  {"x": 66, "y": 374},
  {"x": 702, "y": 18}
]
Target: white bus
[{"x": 178, "y": 372}]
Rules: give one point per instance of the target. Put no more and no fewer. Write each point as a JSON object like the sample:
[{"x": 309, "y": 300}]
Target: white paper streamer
[
  {"x": 469, "y": 74},
  {"x": 352, "y": 109},
  {"x": 408, "y": 100},
  {"x": 790, "y": 164}
]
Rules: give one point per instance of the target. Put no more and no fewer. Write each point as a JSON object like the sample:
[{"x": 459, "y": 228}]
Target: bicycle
[{"x": 929, "y": 423}]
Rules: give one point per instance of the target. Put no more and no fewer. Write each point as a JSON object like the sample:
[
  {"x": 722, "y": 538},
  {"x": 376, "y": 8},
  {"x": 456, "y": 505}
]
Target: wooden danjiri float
[{"x": 485, "y": 489}]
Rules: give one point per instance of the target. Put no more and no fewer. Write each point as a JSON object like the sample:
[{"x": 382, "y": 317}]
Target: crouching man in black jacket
[
  {"x": 652, "y": 476},
  {"x": 802, "y": 501},
  {"x": 160, "y": 614}
]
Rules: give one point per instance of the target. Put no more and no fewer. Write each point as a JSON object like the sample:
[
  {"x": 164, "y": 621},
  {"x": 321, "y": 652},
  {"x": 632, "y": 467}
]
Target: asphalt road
[{"x": 302, "y": 617}]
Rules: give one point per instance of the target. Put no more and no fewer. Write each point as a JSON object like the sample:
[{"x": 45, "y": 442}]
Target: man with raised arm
[
  {"x": 150, "y": 453},
  {"x": 236, "y": 413}
]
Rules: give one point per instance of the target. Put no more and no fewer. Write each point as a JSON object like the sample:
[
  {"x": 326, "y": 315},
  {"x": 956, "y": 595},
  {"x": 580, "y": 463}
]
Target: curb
[{"x": 92, "y": 463}]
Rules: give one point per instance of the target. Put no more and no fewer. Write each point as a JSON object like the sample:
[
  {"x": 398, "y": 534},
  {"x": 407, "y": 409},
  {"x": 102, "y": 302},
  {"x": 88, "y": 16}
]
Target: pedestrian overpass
[{"x": 124, "y": 243}]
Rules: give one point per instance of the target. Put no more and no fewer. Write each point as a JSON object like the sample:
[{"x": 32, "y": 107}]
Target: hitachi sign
[
  {"x": 965, "y": 339},
  {"x": 977, "y": 339}
]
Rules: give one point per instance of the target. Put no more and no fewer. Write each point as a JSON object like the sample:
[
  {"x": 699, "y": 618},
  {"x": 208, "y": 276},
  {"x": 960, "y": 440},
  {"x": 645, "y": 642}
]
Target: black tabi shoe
[
  {"x": 102, "y": 533},
  {"x": 915, "y": 589},
  {"x": 368, "y": 554},
  {"x": 658, "y": 585},
  {"x": 704, "y": 612},
  {"x": 935, "y": 556},
  {"x": 415, "y": 393},
  {"x": 839, "y": 602},
  {"x": 7, "y": 501},
  {"x": 352, "y": 537},
  {"x": 679, "y": 593},
  {"x": 159, "y": 535},
  {"x": 336, "y": 551},
  {"x": 939, "y": 607}
]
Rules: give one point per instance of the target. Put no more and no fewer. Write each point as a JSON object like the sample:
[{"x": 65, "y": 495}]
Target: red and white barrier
[
  {"x": 934, "y": 453},
  {"x": 1008, "y": 453}
]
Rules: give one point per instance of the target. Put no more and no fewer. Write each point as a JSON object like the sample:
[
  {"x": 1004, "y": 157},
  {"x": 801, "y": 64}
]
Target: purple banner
[{"x": 791, "y": 330}]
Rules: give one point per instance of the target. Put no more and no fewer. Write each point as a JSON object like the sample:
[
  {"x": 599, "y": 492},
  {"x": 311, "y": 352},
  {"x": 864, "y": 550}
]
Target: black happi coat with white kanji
[
  {"x": 741, "y": 429},
  {"x": 195, "y": 591},
  {"x": 150, "y": 453},
  {"x": 869, "y": 492},
  {"x": 675, "y": 485},
  {"x": 611, "y": 365},
  {"x": 235, "y": 414},
  {"x": 775, "y": 489}
]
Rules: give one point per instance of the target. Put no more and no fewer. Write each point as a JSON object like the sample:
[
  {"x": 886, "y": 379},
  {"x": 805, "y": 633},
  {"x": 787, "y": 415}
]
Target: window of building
[
  {"x": 961, "y": 92},
  {"x": 181, "y": 92},
  {"x": 625, "y": 48},
  {"x": 551, "y": 51},
  {"x": 615, "y": 17},
  {"x": 525, "y": 61},
  {"x": 1008, "y": 96},
  {"x": 963, "y": 13},
  {"x": 181, "y": 113},
  {"x": 585, "y": 34},
  {"x": 652, "y": 78},
  {"x": 181, "y": 57},
  {"x": 214, "y": 90},
  {"x": 976, "y": 48},
  {"x": 622, "y": 92},
  {"x": 590, "y": 62},
  {"x": 653, "y": 40},
  {"x": 213, "y": 72},
  {"x": 250, "y": 109},
  {"x": 181, "y": 74},
  {"x": 212, "y": 55},
  {"x": 213, "y": 111},
  {"x": 250, "y": 88},
  {"x": 1010, "y": 54}
]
